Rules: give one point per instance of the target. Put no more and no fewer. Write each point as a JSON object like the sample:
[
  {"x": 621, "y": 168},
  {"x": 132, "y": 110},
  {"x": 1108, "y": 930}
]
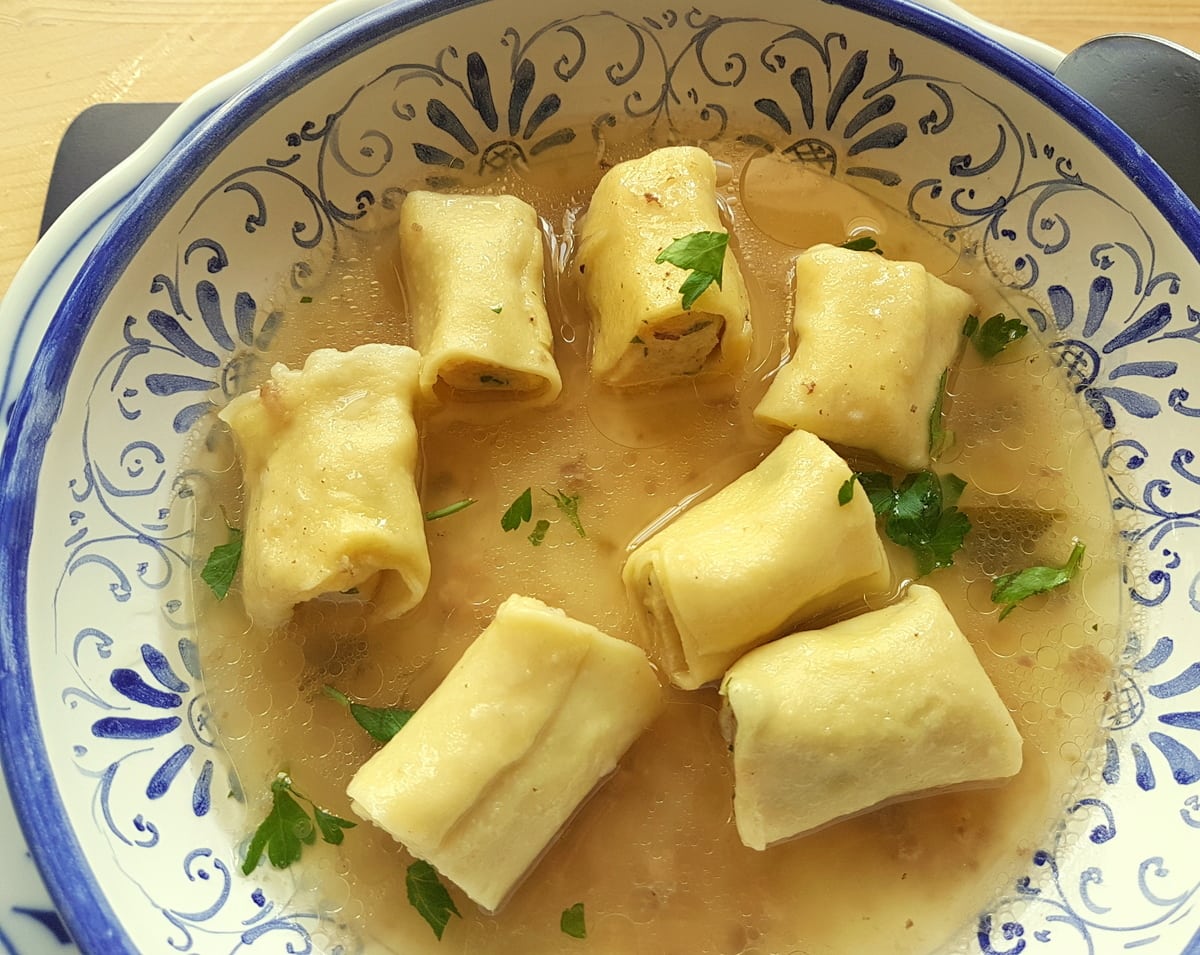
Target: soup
[{"x": 653, "y": 854}]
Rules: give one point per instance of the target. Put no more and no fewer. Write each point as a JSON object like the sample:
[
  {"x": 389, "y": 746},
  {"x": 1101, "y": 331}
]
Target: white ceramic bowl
[{"x": 107, "y": 740}]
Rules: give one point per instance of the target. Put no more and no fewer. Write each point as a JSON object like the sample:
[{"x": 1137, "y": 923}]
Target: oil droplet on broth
[{"x": 654, "y": 852}]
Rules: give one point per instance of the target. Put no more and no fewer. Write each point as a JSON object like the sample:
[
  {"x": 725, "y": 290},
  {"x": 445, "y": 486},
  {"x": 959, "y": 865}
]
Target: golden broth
[{"x": 653, "y": 854}]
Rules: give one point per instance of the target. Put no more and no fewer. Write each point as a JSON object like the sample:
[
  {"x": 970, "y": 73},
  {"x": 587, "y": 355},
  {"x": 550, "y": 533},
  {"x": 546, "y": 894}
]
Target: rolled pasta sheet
[
  {"x": 770, "y": 550},
  {"x": 641, "y": 333},
  {"x": 832, "y": 722},
  {"x": 473, "y": 272},
  {"x": 329, "y": 454},
  {"x": 535, "y": 714},
  {"x": 872, "y": 339}
]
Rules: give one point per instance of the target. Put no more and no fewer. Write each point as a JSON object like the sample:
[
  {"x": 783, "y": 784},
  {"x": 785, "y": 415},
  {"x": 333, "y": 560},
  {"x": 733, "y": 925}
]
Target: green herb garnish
[
  {"x": 497, "y": 308},
  {"x": 569, "y": 505},
  {"x": 939, "y": 437},
  {"x": 863, "y": 243},
  {"x": 380, "y": 721},
  {"x": 920, "y": 514},
  {"x": 449, "y": 509},
  {"x": 222, "y": 564},
  {"x": 288, "y": 829},
  {"x": 519, "y": 511},
  {"x": 997, "y": 333},
  {"x": 970, "y": 326},
  {"x": 1011, "y": 589},
  {"x": 846, "y": 491},
  {"x": 636, "y": 340},
  {"x": 538, "y": 534},
  {"x": 701, "y": 253},
  {"x": 429, "y": 897},
  {"x": 491, "y": 380},
  {"x": 572, "y": 922},
  {"x": 306, "y": 300}
]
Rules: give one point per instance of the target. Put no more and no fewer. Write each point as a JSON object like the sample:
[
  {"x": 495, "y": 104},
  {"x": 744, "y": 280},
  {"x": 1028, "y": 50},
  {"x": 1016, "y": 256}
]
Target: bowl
[{"x": 133, "y": 809}]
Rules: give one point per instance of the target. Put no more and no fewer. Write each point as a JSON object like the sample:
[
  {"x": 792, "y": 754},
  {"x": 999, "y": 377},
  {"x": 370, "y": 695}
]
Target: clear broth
[{"x": 654, "y": 854}]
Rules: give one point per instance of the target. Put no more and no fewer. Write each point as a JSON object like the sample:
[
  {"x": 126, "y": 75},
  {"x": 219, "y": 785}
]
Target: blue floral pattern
[{"x": 1118, "y": 320}]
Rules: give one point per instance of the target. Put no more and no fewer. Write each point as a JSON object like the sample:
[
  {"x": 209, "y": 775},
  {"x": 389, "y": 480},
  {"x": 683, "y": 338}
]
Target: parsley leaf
[
  {"x": 863, "y": 243},
  {"x": 572, "y": 922},
  {"x": 846, "y": 492},
  {"x": 496, "y": 308},
  {"x": 380, "y": 721},
  {"x": 701, "y": 253},
  {"x": 429, "y": 897},
  {"x": 538, "y": 534},
  {"x": 449, "y": 509},
  {"x": 997, "y": 333},
  {"x": 569, "y": 505},
  {"x": 288, "y": 829},
  {"x": 332, "y": 827},
  {"x": 970, "y": 326},
  {"x": 519, "y": 511},
  {"x": 920, "y": 514},
  {"x": 222, "y": 564},
  {"x": 939, "y": 437},
  {"x": 1011, "y": 589}
]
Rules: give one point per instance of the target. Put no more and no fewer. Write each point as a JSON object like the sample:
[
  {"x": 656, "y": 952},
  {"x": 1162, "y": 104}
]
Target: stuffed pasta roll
[
  {"x": 641, "y": 333},
  {"x": 535, "y": 714},
  {"x": 472, "y": 269},
  {"x": 831, "y": 722},
  {"x": 771, "y": 549},
  {"x": 872, "y": 340},
  {"x": 328, "y": 454}
]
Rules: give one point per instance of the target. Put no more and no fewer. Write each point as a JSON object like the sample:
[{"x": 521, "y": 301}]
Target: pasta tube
[
  {"x": 873, "y": 338},
  {"x": 641, "y": 334},
  {"x": 328, "y": 457},
  {"x": 832, "y": 722},
  {"x": 771, "y": 549},
  {"x": 472, "y": 269},
  {"x": 536, "y": 713}
]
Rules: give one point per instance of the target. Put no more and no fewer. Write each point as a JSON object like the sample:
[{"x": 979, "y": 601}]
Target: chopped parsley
[
  {"x": 381, "y": 722},
  {"x": 519, "y": 511},
  {"x": 572, "y": 922},
  {"x": 306, "y": 300},
  {"x": 449, "y": 509},
  {"x": 222, "y": 564},
  {"x": 288, "y": 829},
  {"x": 996, "y": 334},
  {"x": 538, "y": 534},
  {"x": 970, "y": 326},
  {"x": 497, "y": 308},
  {"x": 864, "y": 243},
  {"x": 939, "y": 437},
  {"x": 569, "y": 505},
  {"x": 429, "y": 897},
  {"x": 920, "y": 514},
  {"x": 702, "y": 254},
  {"x": 1011, "y": 589},
  {"x": 846, "y": 492},
  {"x": 636, "y": 340},
  {"x": 491, "y": 380}
]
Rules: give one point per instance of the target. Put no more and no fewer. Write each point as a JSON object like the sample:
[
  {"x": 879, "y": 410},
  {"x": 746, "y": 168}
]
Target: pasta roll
[
  {"x": 503, "y": 752},
  {"x": 873, "y": 338},
  {"x": 641, "y": 333},
  {"x": 472, "y": 270},
  {"x": 328, "y": 456},
  {"x": 771, "y": 549},
  {"x": 832, "y": 722}
]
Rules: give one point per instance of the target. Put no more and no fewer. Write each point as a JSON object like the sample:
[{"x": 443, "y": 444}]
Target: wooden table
[{"x": 58, "y": 57}]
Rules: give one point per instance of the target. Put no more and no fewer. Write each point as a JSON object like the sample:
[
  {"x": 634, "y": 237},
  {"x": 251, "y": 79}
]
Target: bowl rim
[{"x": 206, "y": 128}]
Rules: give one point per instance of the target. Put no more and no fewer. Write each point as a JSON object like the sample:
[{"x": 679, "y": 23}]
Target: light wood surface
[{"x": 58, "y": 57}]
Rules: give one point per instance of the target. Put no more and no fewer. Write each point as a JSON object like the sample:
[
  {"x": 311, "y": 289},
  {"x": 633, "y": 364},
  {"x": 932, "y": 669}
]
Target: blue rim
[{"x": 39, "y": 805}]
